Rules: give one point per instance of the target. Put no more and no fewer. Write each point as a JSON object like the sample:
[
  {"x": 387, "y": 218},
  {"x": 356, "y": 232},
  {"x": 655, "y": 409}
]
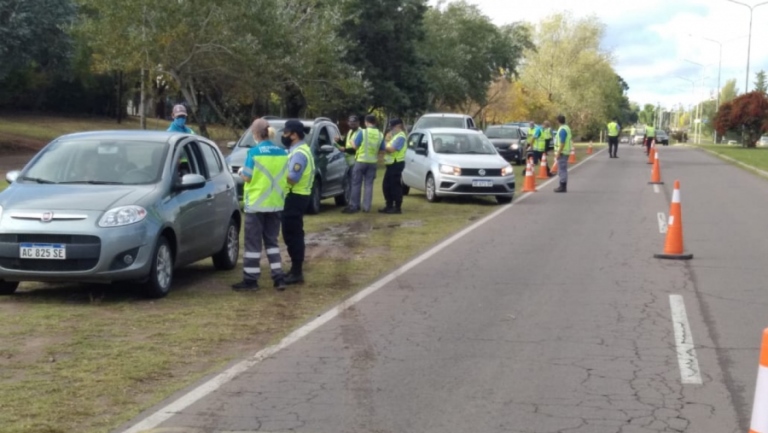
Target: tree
[
  {"x": 747, "y": 113},
  {"x": 760, "y": 82},
  {"x": 647, "y": 115},
  {"x": 729, "y": 91}
]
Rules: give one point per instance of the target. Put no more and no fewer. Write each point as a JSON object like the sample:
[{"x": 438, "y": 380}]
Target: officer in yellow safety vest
[
  {"x": 395, "y": 160},
  {"x": 368, "y": 144},
  {"x": 539, "y": 146},
  {"x": 530, "y": 135},
  {"x": 650, "y": 135},
  {"x": 301, "y": 176},
  {"x": 613, "y": 138},
  {"x": 348, "y": 145},
  {"x": 563, "y": 144},
  {"x": 547, "y": 132},
  {"x": 264, "y": 173}
]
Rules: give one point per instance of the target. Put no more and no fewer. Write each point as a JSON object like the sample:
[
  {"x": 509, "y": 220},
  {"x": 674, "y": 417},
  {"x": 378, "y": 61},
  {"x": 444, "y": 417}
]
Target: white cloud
[{"x": 671, "y": 22}]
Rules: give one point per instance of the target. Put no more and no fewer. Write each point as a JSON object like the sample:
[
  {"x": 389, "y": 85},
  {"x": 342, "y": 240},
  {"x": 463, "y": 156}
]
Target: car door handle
[
  {"x": 209, "y": 197},
  {"x": 229, "y": 186}
]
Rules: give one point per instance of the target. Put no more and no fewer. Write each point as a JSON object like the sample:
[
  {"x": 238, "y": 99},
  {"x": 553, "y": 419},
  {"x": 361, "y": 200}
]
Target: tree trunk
[
  {"x": 143, "y": 102},
  {"x": 119, "y": 96}
]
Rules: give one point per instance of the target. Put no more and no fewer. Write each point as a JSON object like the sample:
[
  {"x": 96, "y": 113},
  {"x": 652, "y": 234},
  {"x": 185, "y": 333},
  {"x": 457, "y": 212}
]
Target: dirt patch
[{"x": 336, "y": 242}]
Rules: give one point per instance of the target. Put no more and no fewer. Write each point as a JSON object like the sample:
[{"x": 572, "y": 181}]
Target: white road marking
[
  {"x": 686, "y": 354},
  {"x": 183, "y": 402},
  {"x": 662, "y": 222},
  {"x": 656, "y": 189}
]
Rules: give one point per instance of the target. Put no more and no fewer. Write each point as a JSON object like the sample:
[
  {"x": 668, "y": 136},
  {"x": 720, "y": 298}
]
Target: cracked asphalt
[{"x": 552, "y": 317}]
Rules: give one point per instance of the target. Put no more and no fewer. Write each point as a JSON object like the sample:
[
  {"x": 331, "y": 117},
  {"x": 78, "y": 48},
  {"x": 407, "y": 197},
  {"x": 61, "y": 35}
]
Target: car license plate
[
  {"x": 43, "y": 251},
  {"x": 482, "y": 183}
]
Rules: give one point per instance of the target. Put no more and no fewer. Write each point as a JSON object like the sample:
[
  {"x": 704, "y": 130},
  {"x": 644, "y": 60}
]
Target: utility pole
[{"x": 749, "y": 43}]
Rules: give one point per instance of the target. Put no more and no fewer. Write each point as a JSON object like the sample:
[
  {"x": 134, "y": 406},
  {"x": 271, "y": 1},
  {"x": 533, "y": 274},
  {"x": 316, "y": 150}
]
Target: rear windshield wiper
[
  {"x": 36, "y": 179},
  {"x": 94, "y": 182}
]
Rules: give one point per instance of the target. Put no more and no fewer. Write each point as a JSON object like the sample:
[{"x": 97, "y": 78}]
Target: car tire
[
  {"x": 430, "y": 189},
  {"x": 8, "y": 287},
  {"x": 519, "y": 161},
  {"x": 313, "y": 208},
  {"x": 406, "y": 188},
  {"x": 346, "y": 192},
  {"x": 161, "y": 270},
  {"x": 226, "y": 258},
  {"x": 500, "y": 199}
]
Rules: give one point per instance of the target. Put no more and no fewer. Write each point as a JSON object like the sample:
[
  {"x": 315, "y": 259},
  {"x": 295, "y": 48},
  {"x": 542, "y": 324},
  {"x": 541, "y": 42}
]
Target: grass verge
[
  {"x": 87, "y": 358},
  {"x": 755, "y": 157}
]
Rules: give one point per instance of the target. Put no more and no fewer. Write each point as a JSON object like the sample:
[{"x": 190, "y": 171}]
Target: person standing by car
[
  {"x": 367, "y": 144},
  {"x": 613, "y": 138},
  {"x": 264, "y": 199},
  {"x": 301, "y": 176},
  {"x": 348, "y": 146},
  {"x": 563, "y": 145},
  {"x": 530, "y": 135},
  {"x": 395, "y": 160},
  {"x": 650, "y": 135},
  {"x": 547, "y": 143},
  {"x": 539, "y": 146},
  {"x": 179, "y": 124}
]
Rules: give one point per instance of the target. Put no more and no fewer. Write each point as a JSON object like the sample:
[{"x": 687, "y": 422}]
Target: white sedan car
[{"x": 454, "y": 162}]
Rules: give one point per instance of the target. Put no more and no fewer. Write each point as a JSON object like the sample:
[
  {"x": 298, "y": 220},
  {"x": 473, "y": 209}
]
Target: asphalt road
[{"x": 568, "y": 326}]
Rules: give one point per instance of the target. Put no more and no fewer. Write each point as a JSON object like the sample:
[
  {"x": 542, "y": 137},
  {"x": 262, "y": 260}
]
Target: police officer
[
  {"x": 563, "y": 145},
  {"x": 530, "y": 136},
  {"x": 367, "y": 144},
  {"x": 179, "y": 124},
  {"x": 301, "y": 176},
  {"x": 395, "y": 160},
  {"x": 650, "y": 135},
  {"x": 347, "y": 146},
  {"x": 264, "y": 199},
  {"x": 539, "y": 145},
  {"x": 613, "y": 138},
  {"x": 547, "y": 132}
]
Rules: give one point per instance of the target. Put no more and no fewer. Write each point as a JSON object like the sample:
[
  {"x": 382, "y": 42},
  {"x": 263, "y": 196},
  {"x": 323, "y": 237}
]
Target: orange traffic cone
[
  {"x": 572, "y": 157},
  {"x": 530, "y": 183},
  {"x": 651, "y": 152},
  {"x": 589, "y": 149},
  {"x": 553, "y": 170},
  {"x": 759, "y": 422},
  {"x": 656, "y": 171},
  {"x": 543, "y": 168},
  {"x": 673, "y": 246}
]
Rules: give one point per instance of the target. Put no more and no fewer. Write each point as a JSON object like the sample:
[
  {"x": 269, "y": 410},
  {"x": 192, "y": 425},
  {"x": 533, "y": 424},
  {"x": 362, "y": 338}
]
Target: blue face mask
[{"x": 179, "y": 122}]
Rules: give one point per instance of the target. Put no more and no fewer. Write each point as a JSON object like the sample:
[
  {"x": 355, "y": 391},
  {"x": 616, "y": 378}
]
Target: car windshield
[
  {"x": 247, "y": 139},
  {"x": 86, "y": 161},
  {"x": 498, "y": 132},
  {"x": 439, "y": 122},
  {"x": 462, "y": 144}
]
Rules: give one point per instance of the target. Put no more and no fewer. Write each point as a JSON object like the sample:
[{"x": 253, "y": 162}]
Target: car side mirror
[
  {"x": 231, "y": 144},
  {"x": 421, "y": 151},
  {"x": 326, "y": 148},
  {"x": 11, "y": 176},
  {"x": 190, "y": 181}
]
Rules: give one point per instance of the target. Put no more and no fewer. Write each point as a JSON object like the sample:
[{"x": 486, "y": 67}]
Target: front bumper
[
  {"x": 449, "y": 185},
  {"x": 93, "y": 254},
  {"x": 511, "y": 155}
]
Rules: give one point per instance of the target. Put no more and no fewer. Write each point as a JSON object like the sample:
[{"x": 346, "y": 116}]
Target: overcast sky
[{"x": 651, "y": 41}]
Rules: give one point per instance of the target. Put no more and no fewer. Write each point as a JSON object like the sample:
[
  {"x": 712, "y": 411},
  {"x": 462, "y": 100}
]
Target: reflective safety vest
[
  {"x": 350, "y": 144},
  {"x": 368, "y": 151},
  {"x": 304, "y": 185},
  {"x": 266, "y": 190},
  {"x": 547, "y": 134},
  {"x": 613, "y": 129},
  {"x": 399, "y": 155},
  {"x": 531, "y": 132},
  {"x": 650, "y": 131},
  {"x": 539, "y": 143},
  {"x": 563, "y": 148}
]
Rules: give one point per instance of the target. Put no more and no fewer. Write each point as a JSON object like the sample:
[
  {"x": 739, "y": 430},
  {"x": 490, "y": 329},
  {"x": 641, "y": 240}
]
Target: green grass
[
  {"x": 87, "y": 358},
  {"x": 756, "y": 157}
]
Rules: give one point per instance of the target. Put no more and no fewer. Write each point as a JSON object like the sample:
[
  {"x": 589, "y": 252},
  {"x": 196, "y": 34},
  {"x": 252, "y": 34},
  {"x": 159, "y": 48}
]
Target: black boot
[
  {"x": 295, "y": 276},
  {"x": 246, "y": 286},
  {"x": 386, "y": 209},
  {"x": 280, "y": 284},
  {"x": 562, "y": 188},
  {"x": 395, "y": 209}
]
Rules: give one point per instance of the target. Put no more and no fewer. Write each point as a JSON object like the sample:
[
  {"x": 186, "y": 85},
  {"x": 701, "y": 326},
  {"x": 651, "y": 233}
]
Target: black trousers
[
  {"x": 613, "y": 145},
  {"x": 537, "y": 160},
  {"x": 293, "y": 229},
  {"x": 392, "y": 185},
  {"x": 648, "y": 141}
]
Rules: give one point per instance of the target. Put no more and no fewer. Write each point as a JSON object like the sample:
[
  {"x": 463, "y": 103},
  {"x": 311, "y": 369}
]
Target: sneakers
[{"x": 246, "y": 286}]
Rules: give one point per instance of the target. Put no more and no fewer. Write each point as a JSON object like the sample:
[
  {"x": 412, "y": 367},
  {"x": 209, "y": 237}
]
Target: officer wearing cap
[
  {"x": 301, "y": 176},
  {"x": 179, "y": 124},
  {"x": 264, "y": 198},
  {"x": 395, "y": 160}
]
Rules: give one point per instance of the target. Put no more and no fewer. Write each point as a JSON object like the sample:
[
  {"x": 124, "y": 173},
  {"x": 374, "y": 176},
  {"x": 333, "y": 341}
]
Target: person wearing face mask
[
  {"x": 301, "y": 176},
  {"x": 179, "y": 123}
]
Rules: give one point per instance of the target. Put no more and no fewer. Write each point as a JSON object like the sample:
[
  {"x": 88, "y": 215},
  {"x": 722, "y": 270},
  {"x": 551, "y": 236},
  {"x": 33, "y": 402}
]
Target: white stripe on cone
[
  {"x": 760, "y": 409},
  {"x": 676, "y": 199}
]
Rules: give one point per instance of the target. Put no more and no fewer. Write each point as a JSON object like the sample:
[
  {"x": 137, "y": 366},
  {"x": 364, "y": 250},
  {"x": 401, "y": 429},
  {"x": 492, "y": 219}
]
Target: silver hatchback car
[
  {"x": 118, "y": 205},
  {"x": 453, "y": 162}
]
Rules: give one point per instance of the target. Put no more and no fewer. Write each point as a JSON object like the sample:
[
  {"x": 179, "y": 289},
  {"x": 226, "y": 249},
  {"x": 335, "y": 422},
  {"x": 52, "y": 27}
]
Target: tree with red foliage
[{"x": 747, "y": 113}]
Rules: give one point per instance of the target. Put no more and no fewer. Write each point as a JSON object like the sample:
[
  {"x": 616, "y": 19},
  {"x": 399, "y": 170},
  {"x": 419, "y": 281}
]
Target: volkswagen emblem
[
  {"x": 481, "y": 172},
  {"x": 47, "y": 217}
]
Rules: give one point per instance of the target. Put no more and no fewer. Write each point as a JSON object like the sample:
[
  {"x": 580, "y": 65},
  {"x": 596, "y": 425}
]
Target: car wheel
[
  {"x": 314, "y": 198},
  {"x": 161, "y": 272},
  {"x": 406, "y": 188},
  {"x": 346, "y": 192},
  {"x": 226, "y": 258},
  {"x": 431, "y": 189},
  {"x": 500, "y": 199},
  {"x": 8, "y": 287},
  {"x": 518, "y": 161}
]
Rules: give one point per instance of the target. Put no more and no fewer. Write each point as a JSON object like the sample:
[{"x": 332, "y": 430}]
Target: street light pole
[{"x": 749, "y": 43}]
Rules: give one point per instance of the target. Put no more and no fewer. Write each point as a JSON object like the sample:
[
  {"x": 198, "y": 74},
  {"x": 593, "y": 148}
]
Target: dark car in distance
[{"x": 509, "y": 141}]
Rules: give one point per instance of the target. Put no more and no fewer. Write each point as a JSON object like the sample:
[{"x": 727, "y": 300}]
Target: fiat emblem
[
  {"x": 481, "y": 172},
  {"x": 47, "y": 217}
]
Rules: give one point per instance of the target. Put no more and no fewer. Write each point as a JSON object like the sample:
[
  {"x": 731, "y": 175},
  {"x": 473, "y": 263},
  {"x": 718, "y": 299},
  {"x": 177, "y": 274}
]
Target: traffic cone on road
[
  {"x": 589, "y": 149},
  {"x": 651, "y": 152},
  {"x": 530, "y": 183},
  {"x": 673, "y": 246},
  {"x": 543, "y": 168},
  {"x": 572, "y": 157},
  {"x": 656, "y": 171},
  {"x": 759, "y": 422}
]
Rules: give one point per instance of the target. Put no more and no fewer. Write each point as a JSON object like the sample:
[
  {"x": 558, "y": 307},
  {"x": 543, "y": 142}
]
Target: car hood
[
  {"x": 71, "y": 197},
  {"x": 504, "y": 141},
  {"x": 472, "y": 161}
]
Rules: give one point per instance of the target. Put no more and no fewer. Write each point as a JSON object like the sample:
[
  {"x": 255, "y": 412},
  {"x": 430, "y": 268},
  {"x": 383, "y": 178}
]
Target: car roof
[
  {"x": 445, "y": 115},
  {"x": 448, "y": 131},
  {"x": 504, "y": 126},
  {"x": 149, "y": 135}
]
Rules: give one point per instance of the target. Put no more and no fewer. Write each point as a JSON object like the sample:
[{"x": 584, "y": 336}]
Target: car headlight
[
  {"x": 514, "y": 146},
  {"x": 508, "y": 171},
  {"x": 449, "y": 169},
  {"x": 122, "y": 216}
]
